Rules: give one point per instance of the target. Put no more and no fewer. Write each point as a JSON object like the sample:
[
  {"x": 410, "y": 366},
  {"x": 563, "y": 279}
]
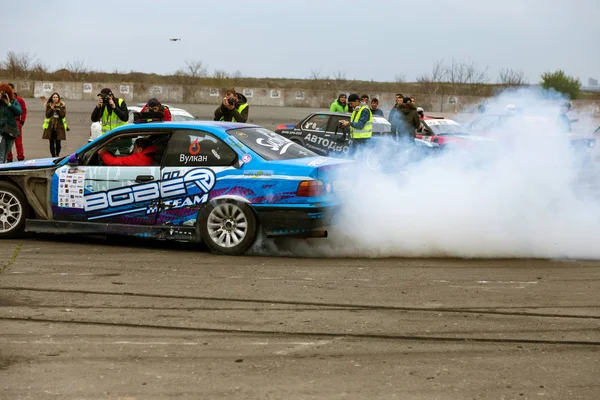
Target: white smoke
[{"x": 528, "y": 195}]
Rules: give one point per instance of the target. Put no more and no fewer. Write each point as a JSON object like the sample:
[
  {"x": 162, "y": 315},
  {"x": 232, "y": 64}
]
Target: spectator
[
  {"x": 364, "y": 98},
  {"x": 339, "y": 105},
  {"x": 394, "y": 116},
  {"x": 110, "y": 111},
  {"x": 563, "y": 122},
  {"x": 233, "y": 108},
  {"x": 413, "y": 100},
  {"x": 20, "y": 122},
  {"x": 10, "y": 109},
  {"x": 410, "y": 121},
  {"x": 375, "y": 110},
  {"x": 155, "y": 106},
  {"x": 55, "y": 124},
  {"x": 399, "y": 97},
  {"x": 361, "y": 123},
  {"x": 141, "y": 156}
]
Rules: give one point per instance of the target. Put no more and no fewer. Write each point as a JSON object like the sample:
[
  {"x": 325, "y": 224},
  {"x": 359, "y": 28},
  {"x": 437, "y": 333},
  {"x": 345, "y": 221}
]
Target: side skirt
[{"x": 187, "y": 233}]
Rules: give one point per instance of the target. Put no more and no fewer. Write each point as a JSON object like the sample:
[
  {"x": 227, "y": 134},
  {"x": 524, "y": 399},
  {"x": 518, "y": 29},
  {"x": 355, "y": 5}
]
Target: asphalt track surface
[{"x": 105, "y": 318}]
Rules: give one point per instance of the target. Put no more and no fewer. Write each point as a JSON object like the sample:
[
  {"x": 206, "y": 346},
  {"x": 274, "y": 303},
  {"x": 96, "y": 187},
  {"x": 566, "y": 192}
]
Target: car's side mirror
[{"x": 73, "y": 161}]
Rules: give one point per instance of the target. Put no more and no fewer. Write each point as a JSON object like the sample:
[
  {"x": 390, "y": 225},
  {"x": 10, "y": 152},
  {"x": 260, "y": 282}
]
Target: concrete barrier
[{"x": 139, "y": 93}]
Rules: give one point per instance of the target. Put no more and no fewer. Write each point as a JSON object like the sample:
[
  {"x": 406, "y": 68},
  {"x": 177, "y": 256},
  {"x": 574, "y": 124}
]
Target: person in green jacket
[{"x": 339, "y": 105}]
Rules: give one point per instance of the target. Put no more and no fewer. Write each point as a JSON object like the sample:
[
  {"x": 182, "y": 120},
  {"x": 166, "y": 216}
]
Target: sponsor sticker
[{"x": 247, "y": 158}]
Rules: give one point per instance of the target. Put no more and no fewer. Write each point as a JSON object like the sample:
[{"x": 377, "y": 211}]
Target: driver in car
[{"x": 142, "y": 155}]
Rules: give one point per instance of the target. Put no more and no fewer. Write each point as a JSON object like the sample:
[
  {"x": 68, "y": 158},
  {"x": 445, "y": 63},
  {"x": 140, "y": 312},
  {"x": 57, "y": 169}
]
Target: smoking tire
[
  {"x": 14, "y": 211},
  {"x": 228, "y": 227}
]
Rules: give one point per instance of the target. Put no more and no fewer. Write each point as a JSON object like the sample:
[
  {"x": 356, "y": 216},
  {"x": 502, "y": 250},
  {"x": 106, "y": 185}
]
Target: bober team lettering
[{"x": 174, "y": 191}]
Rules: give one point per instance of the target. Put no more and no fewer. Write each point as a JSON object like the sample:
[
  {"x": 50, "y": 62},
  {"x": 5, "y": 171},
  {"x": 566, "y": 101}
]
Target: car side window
[
  {"x": 122, "y": 145},
  {"x": 334, "y": 121},
  {"x": 190, "y": 148},
  {"x": 317, "y": 122},
  {"x": 486, "y": 122}
]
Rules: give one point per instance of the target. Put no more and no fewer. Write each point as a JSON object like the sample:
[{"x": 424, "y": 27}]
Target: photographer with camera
[
  {"x": 234, "y": 108},
  {"x": 111, "y": 111},
  {"x": 55, "y": 125},
  {"x": 10, "y": 109},
  {"x": 361, "y": 124}
]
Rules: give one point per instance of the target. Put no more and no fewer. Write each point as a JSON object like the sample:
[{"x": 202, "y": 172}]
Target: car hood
[{"x": 29, "y": 164}]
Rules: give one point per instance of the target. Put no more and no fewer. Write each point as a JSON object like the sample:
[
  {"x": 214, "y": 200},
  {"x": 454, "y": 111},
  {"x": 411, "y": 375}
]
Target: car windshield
[
  {"x": 270, "y": 145},
  {"x": 445, "y": 128}
]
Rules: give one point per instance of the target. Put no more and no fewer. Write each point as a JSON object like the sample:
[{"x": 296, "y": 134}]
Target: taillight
[
  {"x": 280, "y": 127},
  {"x": 310, "y": 189}
]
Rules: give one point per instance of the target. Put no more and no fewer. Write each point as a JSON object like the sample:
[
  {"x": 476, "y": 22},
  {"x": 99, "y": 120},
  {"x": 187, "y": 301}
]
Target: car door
[
  {"x": 123, "y": 194},
  {"x": 315, "y": 136},
  {"x": 189, "y": 174}
]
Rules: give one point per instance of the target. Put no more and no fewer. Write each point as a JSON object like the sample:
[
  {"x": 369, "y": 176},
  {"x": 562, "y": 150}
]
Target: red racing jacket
[{"x": 141, "y": 159}]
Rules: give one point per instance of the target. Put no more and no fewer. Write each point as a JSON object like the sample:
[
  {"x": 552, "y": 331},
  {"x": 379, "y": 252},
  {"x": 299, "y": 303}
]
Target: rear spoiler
[{"x": 434, "y": 117}]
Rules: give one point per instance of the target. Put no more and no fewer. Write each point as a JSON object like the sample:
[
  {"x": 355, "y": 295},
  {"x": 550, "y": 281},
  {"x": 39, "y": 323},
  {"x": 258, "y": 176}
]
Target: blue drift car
[{"x": 218, "y": 182}]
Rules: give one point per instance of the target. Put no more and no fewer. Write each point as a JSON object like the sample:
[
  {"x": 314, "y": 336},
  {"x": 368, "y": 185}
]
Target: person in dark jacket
[
  {"x": 20, "y": 122},
  {"x": 234, "y": 108},
  {"x": 375, "y": 110},
  {"x": 10, "y": 109},
  {"x": 406, "y": 122},
  {"x": 110, "y": 111},
  {"x": 392, "y": 115}
]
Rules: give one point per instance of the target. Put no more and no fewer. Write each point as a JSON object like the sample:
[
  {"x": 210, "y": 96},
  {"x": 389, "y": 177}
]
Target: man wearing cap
[
  {"x": 361, "y": 123},
  {"x": 110, "y": 111},
  {"x": 20, "y": 122}
]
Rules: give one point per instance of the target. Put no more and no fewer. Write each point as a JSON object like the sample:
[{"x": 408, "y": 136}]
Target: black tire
[
  {"x": 228, "y": 227},
  {"x": 14, "y": 211}
]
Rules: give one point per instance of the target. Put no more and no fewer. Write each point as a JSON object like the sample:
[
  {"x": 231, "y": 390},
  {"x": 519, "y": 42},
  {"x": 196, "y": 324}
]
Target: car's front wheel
[
  {"x": 228, "y": 227},
  {"x": 13, "y": 210}
]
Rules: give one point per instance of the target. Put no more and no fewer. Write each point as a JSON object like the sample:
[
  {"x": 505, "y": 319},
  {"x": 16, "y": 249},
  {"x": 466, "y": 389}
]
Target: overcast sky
[{"x": 369, "y": 39}]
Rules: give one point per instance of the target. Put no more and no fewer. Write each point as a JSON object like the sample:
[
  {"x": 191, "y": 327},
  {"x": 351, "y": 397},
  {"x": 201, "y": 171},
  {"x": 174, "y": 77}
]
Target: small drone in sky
[{"x": 175, "y": 39}]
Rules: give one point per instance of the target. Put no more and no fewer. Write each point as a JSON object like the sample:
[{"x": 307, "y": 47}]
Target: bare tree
[
  {"x": 18, "y": 64},
  {"x": 432, "y": 82},
  {"x": 399, "y": 78},
  {"x": 510, "y": 77},
  {"x": 40, "y": 70},
  {"x": 340, "y": 76},
  {"x": 77, "y": 69},
  {"x": 195, "y": 69},
  {"x": 465, "y": 76}
]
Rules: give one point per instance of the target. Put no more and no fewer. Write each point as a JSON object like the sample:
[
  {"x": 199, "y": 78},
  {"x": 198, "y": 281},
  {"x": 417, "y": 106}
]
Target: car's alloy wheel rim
[
  {"x": 227, "y": 225},
  {"x": 10, "y": 211},
  {"x": 372, "y": 160}
]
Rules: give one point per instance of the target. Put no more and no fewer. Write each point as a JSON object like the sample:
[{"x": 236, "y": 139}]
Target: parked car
[
  {"x": 320, "y": 133},
  {"x": 449, "y": 134},
  {"x": 177, "y": 114},
  {"x": 218, "y": 182}
]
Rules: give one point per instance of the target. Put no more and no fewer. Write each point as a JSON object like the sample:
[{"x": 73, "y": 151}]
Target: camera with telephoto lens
[
  {"x": 231, "y": 101},
  {"x": 105, "y": 100},
  {"x": 4, "y": 95}
]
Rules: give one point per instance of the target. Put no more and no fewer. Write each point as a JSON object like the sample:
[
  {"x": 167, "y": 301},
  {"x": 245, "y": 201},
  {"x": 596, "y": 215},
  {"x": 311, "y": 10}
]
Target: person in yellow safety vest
[
  {"x": 234, "y": 108},
  {"x": 110, "y": 111},
  {"x": 361, "y": 123},
  {"x": 55, "y": 124}
]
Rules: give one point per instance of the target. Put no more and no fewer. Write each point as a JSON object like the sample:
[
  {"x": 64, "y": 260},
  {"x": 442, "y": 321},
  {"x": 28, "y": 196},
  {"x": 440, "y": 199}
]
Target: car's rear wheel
[
  {"x": 14, "y": 210},
  {"x": 228, "y": 227}
]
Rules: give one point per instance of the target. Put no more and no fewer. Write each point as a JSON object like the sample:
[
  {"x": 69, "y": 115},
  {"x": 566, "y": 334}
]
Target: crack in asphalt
[
  {"x": 460, "y": 310},
  {"x": 311, "y": 334},
  {"x": 10, "y": 262}
]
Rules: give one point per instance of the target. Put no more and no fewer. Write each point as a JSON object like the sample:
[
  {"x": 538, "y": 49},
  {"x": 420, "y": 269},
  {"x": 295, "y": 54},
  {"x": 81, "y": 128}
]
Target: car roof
[{"x": 220, "y": 126}]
